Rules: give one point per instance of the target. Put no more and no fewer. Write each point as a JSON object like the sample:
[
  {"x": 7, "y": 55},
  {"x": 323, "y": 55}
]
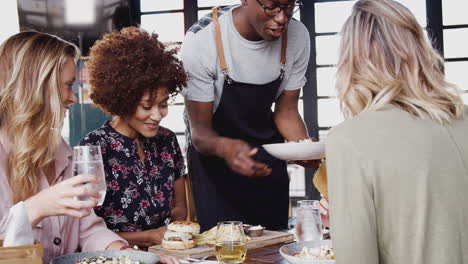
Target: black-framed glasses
[{"x": 289, "y": 10}]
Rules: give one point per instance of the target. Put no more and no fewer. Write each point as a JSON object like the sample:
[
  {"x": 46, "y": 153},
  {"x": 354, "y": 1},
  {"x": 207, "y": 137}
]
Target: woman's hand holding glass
[
  {"x": 87, "y": 160},
  {"x": 59, "y": 199}
]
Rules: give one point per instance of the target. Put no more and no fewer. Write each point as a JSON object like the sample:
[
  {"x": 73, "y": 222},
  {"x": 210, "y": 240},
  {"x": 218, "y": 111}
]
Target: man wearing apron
[{"x": 240, "y": 60}]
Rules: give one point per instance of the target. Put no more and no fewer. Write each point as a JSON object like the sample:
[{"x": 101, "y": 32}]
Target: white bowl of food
[
  {"x": 297, "y": 150},
  {"x": 108, "y": 256},
  {"x": 311, "y": 252}
]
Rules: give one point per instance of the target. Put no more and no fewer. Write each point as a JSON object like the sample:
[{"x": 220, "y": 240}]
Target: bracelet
[{"x": 129, "y": 246}]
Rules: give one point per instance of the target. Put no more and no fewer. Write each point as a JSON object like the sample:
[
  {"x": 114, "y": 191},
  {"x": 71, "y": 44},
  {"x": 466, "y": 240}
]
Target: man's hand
[{"x": 237, "y": 155}]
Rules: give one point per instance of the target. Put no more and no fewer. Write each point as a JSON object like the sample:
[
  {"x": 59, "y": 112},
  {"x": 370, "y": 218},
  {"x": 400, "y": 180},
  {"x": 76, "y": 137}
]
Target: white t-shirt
[{"x": 255, "y": 62}]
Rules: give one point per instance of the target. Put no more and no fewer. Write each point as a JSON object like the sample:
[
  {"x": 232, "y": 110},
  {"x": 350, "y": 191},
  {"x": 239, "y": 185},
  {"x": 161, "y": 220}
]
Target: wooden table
[{"x": 268, "y": 254}]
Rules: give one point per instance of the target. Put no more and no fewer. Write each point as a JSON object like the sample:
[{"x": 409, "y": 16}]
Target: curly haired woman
[{"x": 132, "y": 76}]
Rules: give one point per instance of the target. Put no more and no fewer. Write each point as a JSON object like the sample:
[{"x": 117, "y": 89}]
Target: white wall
[{"x": 9, "y": 22}]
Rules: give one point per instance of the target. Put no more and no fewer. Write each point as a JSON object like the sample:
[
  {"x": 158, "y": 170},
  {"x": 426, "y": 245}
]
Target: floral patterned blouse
[{"x": 140, "y": 194}]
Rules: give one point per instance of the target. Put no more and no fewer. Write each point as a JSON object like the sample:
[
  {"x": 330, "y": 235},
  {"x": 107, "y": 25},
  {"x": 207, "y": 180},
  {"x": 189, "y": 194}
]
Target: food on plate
[
  {"x": 258, "y": 227},
  {"x": 108, "y": 260},
  {"x": 320, "y": 179},
  {"x": 255, "y": 231},
  {"x": 301, "y": 140},
  {"x": 209, "y": 237},
  {"x": 324, "y": 252},
  {"x": 180, "y": 235}
]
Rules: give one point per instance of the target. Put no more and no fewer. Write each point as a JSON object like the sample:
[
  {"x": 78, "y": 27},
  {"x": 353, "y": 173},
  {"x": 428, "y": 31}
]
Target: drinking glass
[
  {"x": 308, "y": 221},
  {"x": 230, "y": 242},
  {"x": 88, "y": 160}
]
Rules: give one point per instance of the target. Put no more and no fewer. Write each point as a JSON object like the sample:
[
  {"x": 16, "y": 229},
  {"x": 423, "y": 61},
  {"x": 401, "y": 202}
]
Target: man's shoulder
[
  {"x": 297, "y": 30},
  {"x": 206, "y": 21}
]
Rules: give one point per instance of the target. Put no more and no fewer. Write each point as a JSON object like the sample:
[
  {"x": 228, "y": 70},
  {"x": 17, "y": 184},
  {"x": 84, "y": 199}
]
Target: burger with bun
[{"x": 180, "y": 235}]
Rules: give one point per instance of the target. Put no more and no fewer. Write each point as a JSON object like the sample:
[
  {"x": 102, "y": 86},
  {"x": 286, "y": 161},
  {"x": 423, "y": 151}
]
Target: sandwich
[{"x": 180, "y": 235}]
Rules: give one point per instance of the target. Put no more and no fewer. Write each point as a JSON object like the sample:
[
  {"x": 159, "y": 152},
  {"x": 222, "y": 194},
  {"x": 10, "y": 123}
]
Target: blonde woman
[
  {"x": 36, "y": 79},
  {"x": 398, "y": 166}
]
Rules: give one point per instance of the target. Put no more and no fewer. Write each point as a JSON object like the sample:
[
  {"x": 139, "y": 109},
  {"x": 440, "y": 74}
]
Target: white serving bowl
[
  {"x": 146, "y": 257},
  {"x": 297, "y": 150},
  {"x": 288, "y": 250}
]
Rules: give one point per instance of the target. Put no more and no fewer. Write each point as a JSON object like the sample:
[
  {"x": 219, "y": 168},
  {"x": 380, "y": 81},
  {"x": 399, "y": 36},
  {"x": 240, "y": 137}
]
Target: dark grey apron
[{"x": 244, "y": 112}]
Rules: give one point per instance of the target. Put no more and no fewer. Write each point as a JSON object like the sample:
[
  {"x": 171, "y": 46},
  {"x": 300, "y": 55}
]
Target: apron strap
[
  {"x": 284, "y": 45},
  {"x": 219, "y": 45},
  {"x": 219, "y": 42}
]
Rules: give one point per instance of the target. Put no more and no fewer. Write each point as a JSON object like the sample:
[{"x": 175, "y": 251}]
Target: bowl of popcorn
[{"x": 310, "y": 252}]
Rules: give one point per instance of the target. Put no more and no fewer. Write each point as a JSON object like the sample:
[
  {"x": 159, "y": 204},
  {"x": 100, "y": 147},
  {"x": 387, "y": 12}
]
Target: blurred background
[{"x": 84, "y": 21}]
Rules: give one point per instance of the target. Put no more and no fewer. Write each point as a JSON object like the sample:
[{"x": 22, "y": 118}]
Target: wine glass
[
  {"x": 88, "y": 160},
  {"x": 230, "y": 242}
]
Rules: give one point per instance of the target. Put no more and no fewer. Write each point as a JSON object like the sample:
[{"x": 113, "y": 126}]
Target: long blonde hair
[
  {"x": 30, "y": 105},
  {"x": 386, "y": 59}
]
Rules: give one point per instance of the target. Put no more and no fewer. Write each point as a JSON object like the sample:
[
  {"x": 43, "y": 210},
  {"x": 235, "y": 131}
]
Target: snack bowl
[
  {"x": 146, "y": 257},
  {"x": 246, "y": 228},
  {"x": 296, "y": 150},
  {"x": 288, "y": 251},
  {"x": 255, "y": 232}
]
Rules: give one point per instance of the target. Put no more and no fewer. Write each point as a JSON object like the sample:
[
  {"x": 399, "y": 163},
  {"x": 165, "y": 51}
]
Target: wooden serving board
[{"x": 268, "y": 238}]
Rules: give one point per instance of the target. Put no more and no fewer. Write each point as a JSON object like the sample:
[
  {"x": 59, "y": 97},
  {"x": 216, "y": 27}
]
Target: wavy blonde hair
[
  {"x": 30, "y": 105},
  {"x": 386, "y": 59}
]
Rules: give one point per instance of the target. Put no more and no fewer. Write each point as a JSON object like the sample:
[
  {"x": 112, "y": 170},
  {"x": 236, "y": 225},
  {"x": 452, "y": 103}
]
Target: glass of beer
[{"x": 230, "y": 242}]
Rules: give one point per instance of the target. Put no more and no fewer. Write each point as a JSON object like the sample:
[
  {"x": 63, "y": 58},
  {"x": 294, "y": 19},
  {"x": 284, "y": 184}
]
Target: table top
[{"x": 268, "y": 254}]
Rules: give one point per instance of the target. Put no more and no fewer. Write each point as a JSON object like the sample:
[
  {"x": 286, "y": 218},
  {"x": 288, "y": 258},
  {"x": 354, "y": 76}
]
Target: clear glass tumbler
[
  {"x": 88, "y": 160},
  {"x": 308, "y": 221}
]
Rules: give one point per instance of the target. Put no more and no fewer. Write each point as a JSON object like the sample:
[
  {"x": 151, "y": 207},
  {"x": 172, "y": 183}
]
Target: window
[
  {"x": 455, "y": 36},
  {"x": 159, "y": 23},
  {"x": 151, "y": 5},
  {"x": 454, "y": 12},
  {"x": 329, "y": 18},
  {"x": 212, "y": 3},
  {"x": 456, "y": 73},
  {"x": 456, "y": 43}
]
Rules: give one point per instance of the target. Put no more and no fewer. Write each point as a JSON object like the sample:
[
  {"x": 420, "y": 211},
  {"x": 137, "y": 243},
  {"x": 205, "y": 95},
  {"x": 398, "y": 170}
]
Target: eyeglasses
[{"x": 289, "y": 10}]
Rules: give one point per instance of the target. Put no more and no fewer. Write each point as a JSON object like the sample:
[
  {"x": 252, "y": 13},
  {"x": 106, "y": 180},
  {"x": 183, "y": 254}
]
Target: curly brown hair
[{"x": 124, "y": 65}]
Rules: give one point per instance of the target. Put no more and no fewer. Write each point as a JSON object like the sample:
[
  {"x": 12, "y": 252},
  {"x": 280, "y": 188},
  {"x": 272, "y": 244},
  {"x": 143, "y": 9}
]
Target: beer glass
[
  {"x": 88, "y": 160},
  {"x": 308, "y": 221},
  {"x": 230, "y": 242}
]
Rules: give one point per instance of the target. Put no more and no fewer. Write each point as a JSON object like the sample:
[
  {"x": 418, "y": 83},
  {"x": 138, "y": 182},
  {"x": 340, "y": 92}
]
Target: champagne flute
[
  {"x": 88, "y": 160},
  {"x": 230, "y": 242}
]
